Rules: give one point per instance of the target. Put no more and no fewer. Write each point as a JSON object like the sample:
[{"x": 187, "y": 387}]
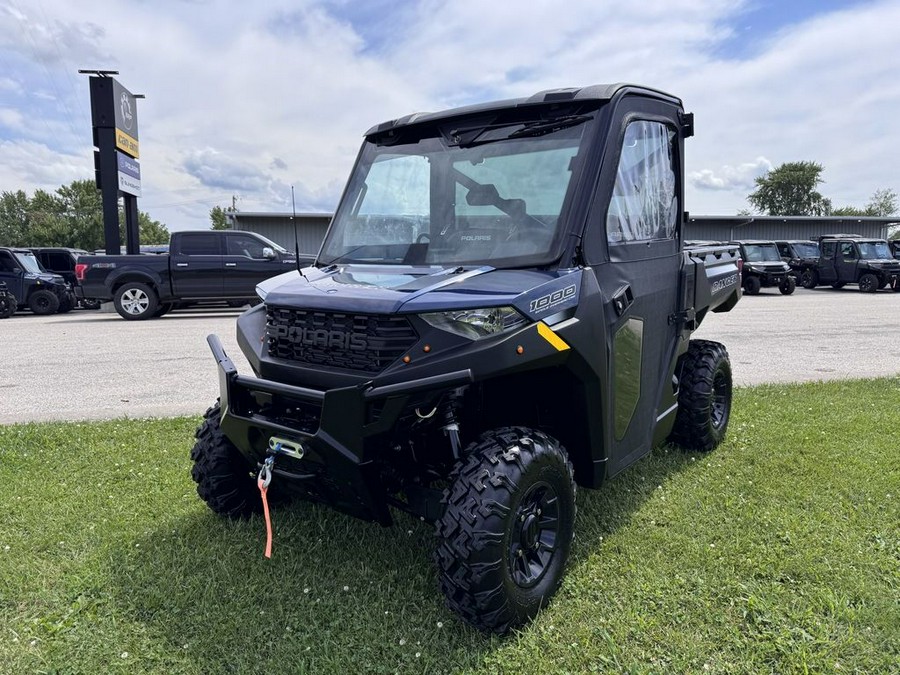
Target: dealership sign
[
  {"x": 126, "y": 120},
  {"x": 129, "y": 174}
]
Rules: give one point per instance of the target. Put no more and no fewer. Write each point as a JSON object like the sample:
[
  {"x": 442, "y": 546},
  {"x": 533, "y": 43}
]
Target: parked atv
[
  {"x": 40, "y": 291},
  {"x": 501, "y": 310},
  {"x": 764, "y": 268}
]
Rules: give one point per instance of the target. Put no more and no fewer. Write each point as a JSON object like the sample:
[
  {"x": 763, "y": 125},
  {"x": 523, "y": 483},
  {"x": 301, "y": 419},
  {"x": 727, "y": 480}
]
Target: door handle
[
  {"x": 622, "y": 299},
  {"x": 181, "y": 264},
  {"x": 230, "y": 264}
]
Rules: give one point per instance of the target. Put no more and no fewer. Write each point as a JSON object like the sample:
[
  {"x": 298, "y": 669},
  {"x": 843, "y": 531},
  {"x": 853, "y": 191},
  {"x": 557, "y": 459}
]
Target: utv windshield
[
  {"x": 489, "y": 194},
  {"x": 805, "y": 250},
  {"x": 761, "y": 253},
  {"x": 29, "y": 262},
  {"x": 874, "y": 250}
]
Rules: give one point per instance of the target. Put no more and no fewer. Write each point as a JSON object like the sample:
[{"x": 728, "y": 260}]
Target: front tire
[
  {"x": 809, "y": 278},
  {"x": 704, "y": 397},
  {"x": 43, "y": 302},
  {"x": 507, "y": 526},
  {"x": 868, "y": 283},
  {"x": 787, "y": 286},
  {"x": 135, "y": 301},
  {"x": 223, "y": 477},
  {"x": 752, "y": 285}
]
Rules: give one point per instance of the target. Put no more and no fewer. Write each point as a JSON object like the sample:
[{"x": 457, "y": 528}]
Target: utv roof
[
  {"x": 844, "y": 237},
  {"x": 596, "y": 92},
  {"x": 752, "y": 242}
]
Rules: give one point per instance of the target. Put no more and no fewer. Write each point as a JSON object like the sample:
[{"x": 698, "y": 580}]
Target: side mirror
[{"x": 268, "y": 253}]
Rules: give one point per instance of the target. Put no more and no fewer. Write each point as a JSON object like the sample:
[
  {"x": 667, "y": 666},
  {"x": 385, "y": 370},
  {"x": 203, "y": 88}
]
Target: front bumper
[{"x": 337, "y": 466}]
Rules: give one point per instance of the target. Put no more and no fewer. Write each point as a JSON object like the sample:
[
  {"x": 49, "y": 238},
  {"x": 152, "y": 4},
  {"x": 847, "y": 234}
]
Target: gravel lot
[{"x": 95, "y": 365}]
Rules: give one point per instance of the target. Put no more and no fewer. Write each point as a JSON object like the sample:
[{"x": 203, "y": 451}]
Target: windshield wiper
[
  {"x": 472, "y": 136},
  {"x": 549, "y": 126}
]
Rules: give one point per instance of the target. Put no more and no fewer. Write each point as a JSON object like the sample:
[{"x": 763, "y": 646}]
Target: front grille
[{"x": 362, "y": 342}]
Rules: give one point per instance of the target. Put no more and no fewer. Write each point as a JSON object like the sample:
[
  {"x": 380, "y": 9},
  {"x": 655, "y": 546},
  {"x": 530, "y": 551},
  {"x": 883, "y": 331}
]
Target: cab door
[
  {"x": 247, "y": 262},
  {"x": 828, "y": 267},
  {"x": 196, "y": 265},
  {"x": 636, "y": 218},
  {"x": 847, "y": 261}
]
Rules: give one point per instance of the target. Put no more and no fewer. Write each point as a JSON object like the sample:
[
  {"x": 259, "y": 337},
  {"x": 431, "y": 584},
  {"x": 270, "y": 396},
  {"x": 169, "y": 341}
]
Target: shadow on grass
[{"x": 339, "y": 595}]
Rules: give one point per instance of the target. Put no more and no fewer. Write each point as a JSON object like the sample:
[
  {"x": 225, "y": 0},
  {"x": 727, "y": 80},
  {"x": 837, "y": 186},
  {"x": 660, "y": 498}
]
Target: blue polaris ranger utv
[{"x": 501, "y": 310}]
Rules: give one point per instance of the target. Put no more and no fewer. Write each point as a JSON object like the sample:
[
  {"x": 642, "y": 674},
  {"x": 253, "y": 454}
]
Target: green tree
[
  {"x": 13, "y": 218},
  {"x": 219, "y": 218},
  {"x": 72, "y": 216},
  {"x": 790, "y": 190},
  {"x": 882, "y": 203}
]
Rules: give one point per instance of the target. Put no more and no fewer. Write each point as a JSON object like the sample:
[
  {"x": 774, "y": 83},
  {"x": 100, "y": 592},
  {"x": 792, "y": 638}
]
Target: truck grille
[{"x": 361, "y": 342}]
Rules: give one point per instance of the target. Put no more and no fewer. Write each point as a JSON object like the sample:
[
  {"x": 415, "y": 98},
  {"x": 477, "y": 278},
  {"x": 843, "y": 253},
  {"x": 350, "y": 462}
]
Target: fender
[{"x": 142, "y": 274}]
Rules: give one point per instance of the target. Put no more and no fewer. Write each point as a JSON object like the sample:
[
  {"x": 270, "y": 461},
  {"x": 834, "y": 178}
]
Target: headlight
[{"x": 476, "y": 323}]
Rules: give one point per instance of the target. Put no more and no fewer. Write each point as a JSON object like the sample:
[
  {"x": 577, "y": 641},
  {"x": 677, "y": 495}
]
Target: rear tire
[
  {"x": 43, "y": 302},
  {"x": 704, "y": 397},
  {"x": 787, "y": 286},
  {"x": 135, "y": 301},
  {"x": 868, "y": 283},
  {"x": 507, "y": 526},
  {"x": 7, "y": 306},
  {"x": 752, "y": 285},
  {"x": 223, "y": 477}
]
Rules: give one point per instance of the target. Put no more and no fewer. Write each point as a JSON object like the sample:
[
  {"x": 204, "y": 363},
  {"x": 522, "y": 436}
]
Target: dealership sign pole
[{"x": 116, "y": 157}]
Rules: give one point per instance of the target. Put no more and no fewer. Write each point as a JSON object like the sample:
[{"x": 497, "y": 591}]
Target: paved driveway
[{"x": 92, "y": 365}]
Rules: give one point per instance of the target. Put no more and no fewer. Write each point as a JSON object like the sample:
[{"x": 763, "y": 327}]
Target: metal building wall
[
  {"x": 279, "y": 227},
  {"x": 770, "y": 228}
]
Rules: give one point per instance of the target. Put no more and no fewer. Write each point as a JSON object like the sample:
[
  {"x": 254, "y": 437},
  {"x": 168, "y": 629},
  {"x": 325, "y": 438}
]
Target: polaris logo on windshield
[
  {"x": 722, "y": 284},
  {"x": 319, "y": 337}
]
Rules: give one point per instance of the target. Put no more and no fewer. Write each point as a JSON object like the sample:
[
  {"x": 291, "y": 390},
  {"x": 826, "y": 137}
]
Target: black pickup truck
[
  {"x": 200, "y": 266},
  {"x": 501, "y": 309}
]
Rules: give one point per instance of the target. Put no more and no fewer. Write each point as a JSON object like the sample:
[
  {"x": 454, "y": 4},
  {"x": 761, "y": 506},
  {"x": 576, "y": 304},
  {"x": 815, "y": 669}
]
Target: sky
[{"x": 244, "y": 100}]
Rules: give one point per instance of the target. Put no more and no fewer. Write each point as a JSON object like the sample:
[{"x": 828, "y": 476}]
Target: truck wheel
[
  {"x": 7, "y": 305},
  {"x": 223, "y": 476},
  {"x": 837, "y": 285},
  {"x": 809, "y": 279},
  {"x": 135, "y": 301},
  {"x": 43, "y": 302},
  {"x": 704, "y": 398},
  {"x": 752, "y": 285},
  {"x": 787, "y": 286},
  {"x": 868, "y": 283},
  {"x": 507, "y": 526}
]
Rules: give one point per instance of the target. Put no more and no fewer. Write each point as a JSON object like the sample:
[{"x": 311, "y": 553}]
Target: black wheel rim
[
  {"x": 535, "y": 533},
  {"x": 719, "y": 412}
]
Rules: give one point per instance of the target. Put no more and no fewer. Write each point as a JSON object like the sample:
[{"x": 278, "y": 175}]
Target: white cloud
[{"x": 739, "y": 177}]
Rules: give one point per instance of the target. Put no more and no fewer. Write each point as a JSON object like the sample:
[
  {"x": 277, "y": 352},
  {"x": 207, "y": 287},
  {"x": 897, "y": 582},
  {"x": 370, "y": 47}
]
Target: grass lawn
[{"x": 779, "y": 552}]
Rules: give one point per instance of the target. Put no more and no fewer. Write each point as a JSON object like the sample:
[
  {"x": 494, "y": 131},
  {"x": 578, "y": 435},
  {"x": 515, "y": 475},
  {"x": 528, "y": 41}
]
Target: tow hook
[{"x": 282, "y": 446}]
